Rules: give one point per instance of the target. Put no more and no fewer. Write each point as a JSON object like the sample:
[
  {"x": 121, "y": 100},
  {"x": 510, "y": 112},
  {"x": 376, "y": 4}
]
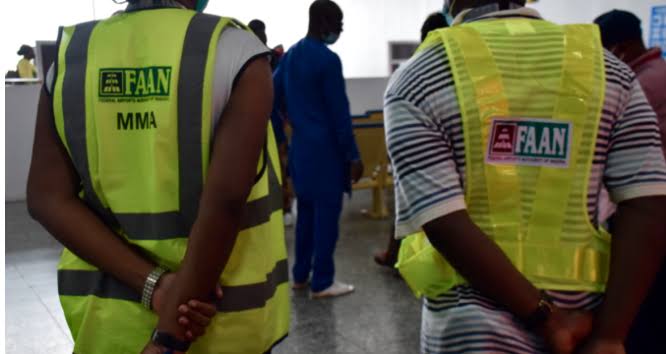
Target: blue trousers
[{"x": 317, "y": 230}]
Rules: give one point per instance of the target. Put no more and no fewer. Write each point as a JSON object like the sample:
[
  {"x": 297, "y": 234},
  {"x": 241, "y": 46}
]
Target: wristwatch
[
  {"x": 149, "y": 287},
  {"x": 169, "y": 342},
  {"x": 544, "y": 310}
]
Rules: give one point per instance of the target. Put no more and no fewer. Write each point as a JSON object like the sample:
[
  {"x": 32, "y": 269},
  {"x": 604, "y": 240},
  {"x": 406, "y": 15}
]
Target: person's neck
[
  {"x": 314, "y": 36},
  {"x": 635, "y": 51}
]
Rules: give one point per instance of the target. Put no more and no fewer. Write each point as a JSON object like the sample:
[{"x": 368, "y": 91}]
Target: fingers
[
  {"x": 198, "y": 312},
  {"x": 193, "y": 331},
  {"x": 195, "y": 317}
]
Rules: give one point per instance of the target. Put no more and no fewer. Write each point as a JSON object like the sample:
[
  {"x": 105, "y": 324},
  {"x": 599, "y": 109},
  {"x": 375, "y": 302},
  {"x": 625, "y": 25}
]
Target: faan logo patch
[
  {"x": 530, "y": 142},
  {"x": 135, "y": 83}
]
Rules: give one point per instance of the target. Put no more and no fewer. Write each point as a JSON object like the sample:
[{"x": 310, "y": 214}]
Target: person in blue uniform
[{"x": 323, "y": 157}]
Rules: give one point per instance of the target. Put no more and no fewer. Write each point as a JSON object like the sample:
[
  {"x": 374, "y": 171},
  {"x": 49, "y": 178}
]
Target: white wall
[
  {"x": 366, "y": 94},
  {"x": 585, "y": 11},
  {"x": 20, "y": 116}
]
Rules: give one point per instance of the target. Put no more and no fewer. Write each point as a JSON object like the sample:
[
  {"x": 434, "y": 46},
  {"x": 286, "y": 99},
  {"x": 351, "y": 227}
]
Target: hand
[
  {"x": 565, "y": 330},
  {"x": 195, "y": 315},
  {"x": 602, "y": 346},
  {"x": 356, "y": 170}
]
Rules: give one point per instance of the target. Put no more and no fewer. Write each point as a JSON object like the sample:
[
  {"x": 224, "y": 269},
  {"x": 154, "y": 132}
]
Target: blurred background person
[
  {"x": 435, "y": 21},
  {"x": 278, "y": 120},
  {"x": 258, "y": 27},
  {"x": 323, "y": 157},
  {"x": 25, "y": 67},
  {"x": 622, "y": 34}
]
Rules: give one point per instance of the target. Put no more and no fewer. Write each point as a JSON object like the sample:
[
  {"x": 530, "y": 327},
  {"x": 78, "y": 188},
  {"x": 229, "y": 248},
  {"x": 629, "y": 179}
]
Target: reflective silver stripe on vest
[
  {"x": 236, "y": 298},
  {"x": 74, "y": 112},
  {"x": 167, "y": 225}
]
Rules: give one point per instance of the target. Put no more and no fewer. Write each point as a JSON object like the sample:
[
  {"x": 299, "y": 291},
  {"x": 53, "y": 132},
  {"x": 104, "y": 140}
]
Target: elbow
[
  {"x": 35, "y": 204},
  {"x": 38, "y": 203}
]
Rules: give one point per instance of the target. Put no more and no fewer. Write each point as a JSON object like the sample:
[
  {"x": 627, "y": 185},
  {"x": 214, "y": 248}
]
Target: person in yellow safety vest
[
  {"x": 502, "y": 130},
  {"x": 155, "y": 165},
  {"x": 25, "y": 67}
]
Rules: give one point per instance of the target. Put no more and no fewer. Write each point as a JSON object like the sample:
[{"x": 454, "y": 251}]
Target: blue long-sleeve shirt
[{"x": 310, "y": 88}]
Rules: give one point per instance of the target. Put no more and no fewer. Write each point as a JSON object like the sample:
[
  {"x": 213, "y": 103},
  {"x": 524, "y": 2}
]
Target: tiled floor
[{"x": 381, "y": 317}]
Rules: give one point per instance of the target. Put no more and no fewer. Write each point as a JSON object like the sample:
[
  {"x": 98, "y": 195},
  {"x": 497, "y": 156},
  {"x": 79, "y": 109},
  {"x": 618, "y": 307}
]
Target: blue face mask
[
  {"x": 201, "y": 5},
  {"x": 447, "y": 12},
  {"x": 331, "y": 38}
]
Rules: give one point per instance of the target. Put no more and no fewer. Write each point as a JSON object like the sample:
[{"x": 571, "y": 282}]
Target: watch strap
[
  {"x": 169, "y": 342},
  {"x": 544, "y": 310},
  {"x": 149, "y": 287}
]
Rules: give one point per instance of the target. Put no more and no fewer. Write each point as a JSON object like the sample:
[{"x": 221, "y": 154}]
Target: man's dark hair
[
  {"x": 619, "y": 26},
  {"x": 258, "y": 27},
  {"x": 26, "y": 51},
  {"x": 324, "y": 16},
  {"x": 503, "y": 4},
  {"x": 435, "y": 21}
]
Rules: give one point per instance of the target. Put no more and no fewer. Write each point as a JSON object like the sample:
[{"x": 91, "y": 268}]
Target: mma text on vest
[{"x": 137, "y": 121}]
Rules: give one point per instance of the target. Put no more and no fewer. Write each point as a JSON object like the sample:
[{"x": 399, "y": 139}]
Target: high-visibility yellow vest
[
  {"x": 531, "y": 94},
  {"x": 132, "y": 105}
]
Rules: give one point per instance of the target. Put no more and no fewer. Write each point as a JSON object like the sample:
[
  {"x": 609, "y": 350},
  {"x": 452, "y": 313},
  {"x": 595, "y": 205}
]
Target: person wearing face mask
[
  {"x": 323, "y": 157},
  {"x": 622, "y": 34},
  {"x": 502, "y": 130},
  {"x": 155, "y": 165}
]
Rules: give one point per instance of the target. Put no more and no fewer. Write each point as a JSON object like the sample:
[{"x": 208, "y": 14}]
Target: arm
[
  {"x": 338, "y": 105},
  {"x": 483, "y": 264},
  {"x": 238, "y": 142},
  {"x": 637, "y": 250},
  {"x": 635, "y": 176},
  {"x": 53, "y": 186}
]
